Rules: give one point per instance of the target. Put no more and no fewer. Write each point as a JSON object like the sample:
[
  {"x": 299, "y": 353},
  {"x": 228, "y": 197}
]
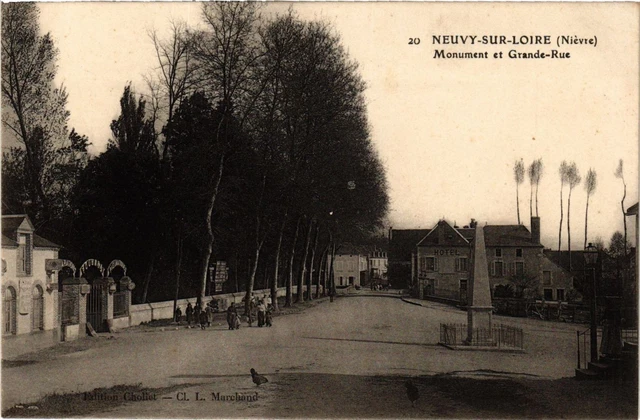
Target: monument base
[{"x": 479, "y": 326}]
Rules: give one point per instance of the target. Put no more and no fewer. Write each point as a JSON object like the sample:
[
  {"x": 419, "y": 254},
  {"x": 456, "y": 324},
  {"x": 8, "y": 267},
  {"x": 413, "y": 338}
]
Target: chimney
[{"x": 535, "y": 230}]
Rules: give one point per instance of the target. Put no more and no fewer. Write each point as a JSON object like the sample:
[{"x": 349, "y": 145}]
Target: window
[
  {"x": 24, "y": 255},
  {"x": 519, "y": 271},
  {"x": 548, "y": 294},
  {"x": 519, "y": 252},
  {"x": 341, "y": 280},
  {"x": 498, "y": 252},
  {"x": 463, "y": 291},
  {"x": 37, "y": 309},
  {"x": 546, "y": 278},
  {"x": 497, "y": 269},
  {"x": 9, "y": 315},
  {"x": 560, "y": 294},
  {"x": 431, "y": 264},
  {"x": 461, "y": 264}
]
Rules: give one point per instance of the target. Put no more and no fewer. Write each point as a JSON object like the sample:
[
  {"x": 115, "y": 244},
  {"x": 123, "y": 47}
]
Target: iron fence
[
  {"x": 501, "y": 336},
  {"x": 120, "y": 307}
]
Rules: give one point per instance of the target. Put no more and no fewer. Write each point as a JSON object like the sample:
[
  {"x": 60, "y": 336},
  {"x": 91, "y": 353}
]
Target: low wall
[{"x": 164, "y": 310}]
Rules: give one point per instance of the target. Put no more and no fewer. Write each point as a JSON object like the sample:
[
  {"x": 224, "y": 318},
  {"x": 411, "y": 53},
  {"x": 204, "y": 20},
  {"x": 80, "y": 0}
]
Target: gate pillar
[
  {"x": 127, "y": 285},
  {"x": 73, "y": 307}
]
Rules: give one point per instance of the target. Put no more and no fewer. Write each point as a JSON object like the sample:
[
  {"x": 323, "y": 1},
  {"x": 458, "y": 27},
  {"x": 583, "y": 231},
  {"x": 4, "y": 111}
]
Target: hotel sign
[{"x": 443, "y": 252}]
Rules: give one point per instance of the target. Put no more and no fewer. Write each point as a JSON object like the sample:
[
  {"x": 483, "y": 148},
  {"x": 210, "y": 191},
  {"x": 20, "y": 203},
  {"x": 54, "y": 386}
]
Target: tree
[
  {"x": 535, "y": 173},
  {"x": 573, "y": 179},
  {"x": 226, "y": 53},
  {"x": 175, "y": 74},
  {"x": 563, "y": 171},
  {"x": 590, "y": 184},
  {"x": 619, "y": 173},
  {"x": 518, "y": 175},
  {"x": 34, "y": 113}
]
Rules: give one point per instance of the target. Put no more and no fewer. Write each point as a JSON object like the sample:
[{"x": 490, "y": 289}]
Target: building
[
  {"x": 358, "y": 265},
  {"x": 29, "y": 291},
  {"x": 378, "y": 266},
  {"x": 441, "y": 263}
]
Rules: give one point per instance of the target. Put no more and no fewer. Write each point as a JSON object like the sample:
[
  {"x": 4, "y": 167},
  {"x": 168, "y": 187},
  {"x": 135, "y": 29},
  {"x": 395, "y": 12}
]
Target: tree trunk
[
  {"x": 289, "y": 298},
  {"x": 560, "y": 230},
  {"x": 235, "y": 274},
  {"x": 147, "y": 279},
  {"x": 332, "y": 280},
  {"x": 624, "y": 217},
  {"x": 518, "y": 201},
  {"x": 204, "y": 267},
  {"x": 586, "y": 221},
  {"x": 274, "y": 283},
  {"x": 569, "y": 226},
  {"x": 252, "y": 277},
  {"x": 303, "y": 266},
  {"x": 321, "y": 271},
  {"x": 531, "y": 201},
  {"x": 537, "y": 183},
  {"x": 178, "y": 264},
  {"x": 313, "y": 254}
]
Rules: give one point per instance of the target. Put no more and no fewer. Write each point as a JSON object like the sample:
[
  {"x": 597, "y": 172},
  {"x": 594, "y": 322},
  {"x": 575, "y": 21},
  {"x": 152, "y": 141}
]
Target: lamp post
[{"x": 591, "y": 258}]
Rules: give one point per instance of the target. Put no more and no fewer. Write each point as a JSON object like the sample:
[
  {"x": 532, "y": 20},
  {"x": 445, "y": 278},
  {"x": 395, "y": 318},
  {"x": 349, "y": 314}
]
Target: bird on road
[
  {"x": 258, "y": 379},
  {"x": 412, "y": 392}
]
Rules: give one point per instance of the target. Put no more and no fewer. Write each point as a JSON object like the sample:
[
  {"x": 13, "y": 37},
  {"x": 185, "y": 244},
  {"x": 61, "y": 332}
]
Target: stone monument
[{"x": 479, "y": 332}]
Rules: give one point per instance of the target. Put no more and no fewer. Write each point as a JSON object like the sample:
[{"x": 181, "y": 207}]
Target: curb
[{"x": 408, "y": 301}]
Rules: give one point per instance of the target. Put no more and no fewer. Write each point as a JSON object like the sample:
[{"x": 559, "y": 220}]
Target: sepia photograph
[{"x": 243, "y": 209}]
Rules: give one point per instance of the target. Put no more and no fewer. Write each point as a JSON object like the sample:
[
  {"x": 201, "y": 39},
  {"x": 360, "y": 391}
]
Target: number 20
[{"x": 414, "y": 41}]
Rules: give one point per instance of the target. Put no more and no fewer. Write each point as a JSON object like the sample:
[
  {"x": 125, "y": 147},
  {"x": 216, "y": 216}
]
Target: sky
[{"x": 448, "y": 131}]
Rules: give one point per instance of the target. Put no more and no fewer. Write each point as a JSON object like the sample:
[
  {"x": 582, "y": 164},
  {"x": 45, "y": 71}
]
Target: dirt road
[{"x": 346, "y": 358}]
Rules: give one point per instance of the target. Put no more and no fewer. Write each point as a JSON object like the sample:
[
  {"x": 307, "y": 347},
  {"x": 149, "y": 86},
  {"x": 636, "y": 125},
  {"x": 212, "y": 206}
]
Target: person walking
[
  {"x": 178, "y": 315},
  {"x": 189, "y": 312}
]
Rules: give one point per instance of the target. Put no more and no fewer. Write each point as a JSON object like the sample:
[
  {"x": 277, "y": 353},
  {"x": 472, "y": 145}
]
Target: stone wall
[{"x": 147, "y": 312}]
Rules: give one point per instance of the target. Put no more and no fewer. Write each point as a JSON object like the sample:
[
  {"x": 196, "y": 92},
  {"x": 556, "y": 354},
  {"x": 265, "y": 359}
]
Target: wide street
[{"x": 346, "y": 358}]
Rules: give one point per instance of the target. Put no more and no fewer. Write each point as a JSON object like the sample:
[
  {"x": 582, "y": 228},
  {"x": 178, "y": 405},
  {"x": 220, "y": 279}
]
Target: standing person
[
  {"x": 196, "y": 313},
  {"x": 268, "y": 316},
  {"x": 267, "y": 300},
  {"x": 189, "y": 312},
  {"x": 209, "y": 311},
  {"x": 203, "y": 320},
  {"x": 232, "y": 316},
  {"x": 178, "y": 315},
  {"x": 262, "y": 310}
]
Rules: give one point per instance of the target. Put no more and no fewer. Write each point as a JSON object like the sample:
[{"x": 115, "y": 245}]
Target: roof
[
  {"x": 351, "y": 249},
  {"x": 508, "y": 235},
  {"x": 561, "y": 258},
  {"x": 403, "y": 243},
  {"x": 40, "y": 242},
  {"x": 633, "y": 210},
  {"x": 6, "y": 241},
  {"x": 10, "y": 226}
]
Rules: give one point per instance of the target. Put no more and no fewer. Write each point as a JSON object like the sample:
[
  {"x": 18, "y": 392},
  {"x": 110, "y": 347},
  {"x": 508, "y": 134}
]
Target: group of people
[
  {"x": 204, "y": 317},
  {"x": 200, "y": 317},
  {"x": 379, "y": 286},
  {"x": 262, "y": 307}
]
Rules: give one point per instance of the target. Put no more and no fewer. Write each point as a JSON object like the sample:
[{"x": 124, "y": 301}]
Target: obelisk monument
[{"x": 479, "y": 309}]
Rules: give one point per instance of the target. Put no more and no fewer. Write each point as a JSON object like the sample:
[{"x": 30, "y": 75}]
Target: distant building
[
  {"x": 30, "y": 294},
  {"x": 378, "y": 266},
  {"x": 441, "y": 262},
  {"x": 358, "y": 265}
]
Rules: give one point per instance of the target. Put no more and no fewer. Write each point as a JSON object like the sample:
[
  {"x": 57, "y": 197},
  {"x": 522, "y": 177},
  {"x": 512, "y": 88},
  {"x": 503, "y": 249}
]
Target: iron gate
[{"x": 94, "y": 307}]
